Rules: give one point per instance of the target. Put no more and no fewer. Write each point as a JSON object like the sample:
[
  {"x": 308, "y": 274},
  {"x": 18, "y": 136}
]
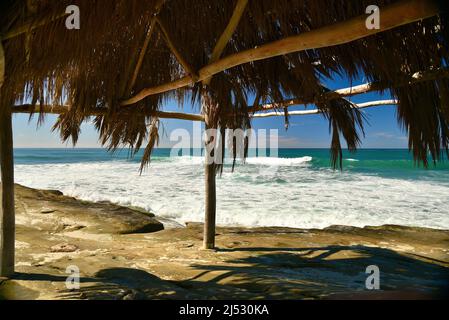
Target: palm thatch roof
[{"x": 127, "y": 46}]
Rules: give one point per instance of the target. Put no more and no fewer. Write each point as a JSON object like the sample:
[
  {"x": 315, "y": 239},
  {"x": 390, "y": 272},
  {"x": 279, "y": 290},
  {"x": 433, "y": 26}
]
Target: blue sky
[{"x": 312, "y": 131}]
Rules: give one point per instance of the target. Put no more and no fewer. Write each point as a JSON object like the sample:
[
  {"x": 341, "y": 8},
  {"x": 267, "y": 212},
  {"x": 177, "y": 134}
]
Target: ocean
[{"x": 296, "y": 189}]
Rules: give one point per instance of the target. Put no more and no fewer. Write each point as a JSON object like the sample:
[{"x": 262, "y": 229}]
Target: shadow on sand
[
  {"x": 328, "y": 272},
  {"x": 275, "y": 273}
]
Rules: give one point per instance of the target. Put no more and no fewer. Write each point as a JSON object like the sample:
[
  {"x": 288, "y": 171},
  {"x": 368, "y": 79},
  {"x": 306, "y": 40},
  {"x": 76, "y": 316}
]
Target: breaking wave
[{"x": 293, "y": 192}]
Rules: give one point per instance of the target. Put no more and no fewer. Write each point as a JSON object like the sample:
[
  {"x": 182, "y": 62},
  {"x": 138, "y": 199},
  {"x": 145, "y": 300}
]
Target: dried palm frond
[
  {"x": 153, "y": 141},
  {"x": 91, "y": 68}
]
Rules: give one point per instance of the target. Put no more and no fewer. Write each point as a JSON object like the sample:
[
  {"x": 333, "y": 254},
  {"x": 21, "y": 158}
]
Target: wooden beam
[
  {"x": 187, "y": 67},
  {"x": 179, "y": 115},
  {"x": 28, "y": 109},
  {"x": 144, "y": 48},
  {"x": 30, "y": 25},
  {"x": 47, "y": 109},
  {"x": 316, "y": 111},
  {"x": 356, "y": 90},
  {"x": 227, "y": 33},
  {"x": 375, "y": 86},
  {"x": 142, "y": 53},
  {"x": 378, "y": 103},
  {"x": 195, "y": 117},
  {"x": 392, "y": 16},
  {"x": 2, "y": 65},
  {"x": 7, "y": 214},
  {"x": 345, "y": 92}
]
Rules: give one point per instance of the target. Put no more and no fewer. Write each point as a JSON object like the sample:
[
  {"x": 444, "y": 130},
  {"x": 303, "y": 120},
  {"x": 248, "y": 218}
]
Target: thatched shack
[{"x": 129, "y": 56}]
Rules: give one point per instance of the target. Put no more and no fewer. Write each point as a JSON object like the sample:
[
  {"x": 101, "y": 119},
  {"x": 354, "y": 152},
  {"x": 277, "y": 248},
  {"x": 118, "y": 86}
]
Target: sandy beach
[{"x": 126, "y": 253}]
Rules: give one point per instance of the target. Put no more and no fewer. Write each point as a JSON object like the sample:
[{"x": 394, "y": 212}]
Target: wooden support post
[
  {"x": 7, "y": 218},
  {"x": 210, "y": 207},
  {"x": 209, "y": 110},
  {"x": 7, "y": 215}
]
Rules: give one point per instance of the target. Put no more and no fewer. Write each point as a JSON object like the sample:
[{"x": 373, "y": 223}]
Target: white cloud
[{"x": 386, "y": 135}]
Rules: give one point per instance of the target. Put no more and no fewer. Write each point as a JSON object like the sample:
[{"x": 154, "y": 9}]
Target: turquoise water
[
  {"x": 394, "y": 163},
  {"x": 297, "y": 188}
]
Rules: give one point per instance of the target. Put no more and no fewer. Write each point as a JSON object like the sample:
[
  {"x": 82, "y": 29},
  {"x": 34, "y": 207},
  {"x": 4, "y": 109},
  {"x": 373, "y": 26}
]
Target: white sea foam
[
  {"x": 266, "y": 161},
  {"x": 187, "y": 160},
  {"x": 271, "y": 161},
  {"x": 265, "y": 192}
]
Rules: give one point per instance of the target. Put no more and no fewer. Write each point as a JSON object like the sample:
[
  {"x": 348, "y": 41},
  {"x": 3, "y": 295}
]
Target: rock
[
  {"x": 55, "y": 192},
  {"x": 233, "y": 244},
  {"x": 134, "y": 295},
  {"x": 116, "y": 219},
  {"x": 341, "y": 228},
  {"x": 47, "y": 211},
  {"x": 129, "y": 296},
  {"x": 64, "y": 247},
  {"x": 73, "y": 228},
  {"x": 194, "y": 224},
  {"x": 142, "y": 210},
  {"x": 104, "y": 217}
]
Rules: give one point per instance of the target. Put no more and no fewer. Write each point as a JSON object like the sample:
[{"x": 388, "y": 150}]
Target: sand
[{"x": 123, "y": 253}]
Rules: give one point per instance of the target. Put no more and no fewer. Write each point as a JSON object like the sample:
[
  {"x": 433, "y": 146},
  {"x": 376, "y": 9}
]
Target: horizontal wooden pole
[
  {"x": 316, "y": 111},
  {"x": 356, "y": 90},
  {"x": 345, "y": 92},
  {"x": 27, "y": 108},
  {"x": 179, "y": 115},
  {"x": 194, "y": 117},
  {"x": 392, "y": 16},
  {"x": 378, "y": 103}
]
